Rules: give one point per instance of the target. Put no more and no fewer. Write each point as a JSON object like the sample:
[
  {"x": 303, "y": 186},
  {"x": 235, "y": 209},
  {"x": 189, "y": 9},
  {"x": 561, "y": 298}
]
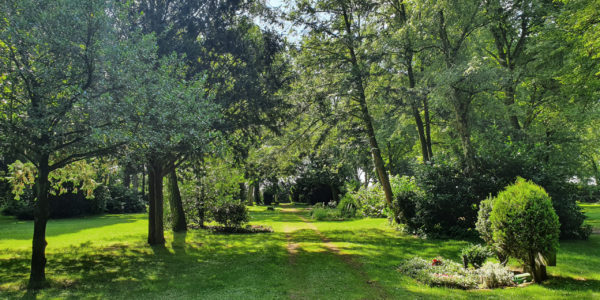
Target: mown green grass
[
  {"x": 592, "y": 211},
  {"x": 106, "y": 257}
]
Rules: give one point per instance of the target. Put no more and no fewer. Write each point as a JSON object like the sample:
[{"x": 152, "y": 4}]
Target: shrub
[
  {"x": 483, "y": 224},
  {"x": 371, "y": 201},
  {"x": 407, "y": 195},
  {"x": 484, "y": 227},
  {"x": 475, "y": 255},
  {"x": 231, "y": 214},
  {"x": 325, "y": 214},
  {"x": 348, "y": 207},
  {"x": 495, "y": 275},
  {"x": 124, "y": 200},
  {"x": 22, "y": 209},
  {"x": 449, "y": 207},
  {"x": 524, "y": 223},
  {"x": 445, "y": 274}
]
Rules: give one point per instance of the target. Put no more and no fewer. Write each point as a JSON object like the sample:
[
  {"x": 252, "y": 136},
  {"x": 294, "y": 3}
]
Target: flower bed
[{"x": 446, "y": 273}]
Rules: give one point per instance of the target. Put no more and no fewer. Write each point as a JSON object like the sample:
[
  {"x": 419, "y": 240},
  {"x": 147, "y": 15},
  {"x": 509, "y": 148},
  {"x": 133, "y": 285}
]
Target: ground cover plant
[{"x": 107, "y": 257}]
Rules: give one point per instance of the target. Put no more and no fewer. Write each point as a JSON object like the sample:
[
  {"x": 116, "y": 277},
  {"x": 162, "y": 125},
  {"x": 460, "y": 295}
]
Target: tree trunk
[
  {"x": 461, "y": 113},
  {"x": 256, "y": 192},
  {"x": 366, "y": 116},
  {"x": 509, "y": 100},
  {"x": 427, "y": 127},
  {"x": 415, "y": 107},
  {"x": 144, "y": 181},
  {"x": 127, "y": 172},
  {"x": 421, "y": 131},
  {"x": 135, "y": 182},
  {"x": 391, "y": 166},
  {"x": 334, "y": 193},
  {"x": 177, "y": 213},
  {"x": 243, "y": 192},
  {"x": 41, "y": 213},
  {"x": 156, "y": 234}
]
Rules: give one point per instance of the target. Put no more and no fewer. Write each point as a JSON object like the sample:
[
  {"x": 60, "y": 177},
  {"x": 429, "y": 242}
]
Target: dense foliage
[
  {"x": 524, "y": 223},
  {"x": 412, "y": 110}
]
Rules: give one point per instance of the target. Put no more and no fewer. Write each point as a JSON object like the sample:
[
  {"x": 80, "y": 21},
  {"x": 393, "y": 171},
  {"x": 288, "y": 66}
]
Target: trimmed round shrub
[{"x": 524, "y": 223}]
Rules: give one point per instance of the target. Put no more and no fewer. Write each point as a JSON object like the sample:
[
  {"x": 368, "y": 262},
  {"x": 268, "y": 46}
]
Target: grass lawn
[
  {"x": 592, "y": 211},
  {"x": 106, "y": 257}
]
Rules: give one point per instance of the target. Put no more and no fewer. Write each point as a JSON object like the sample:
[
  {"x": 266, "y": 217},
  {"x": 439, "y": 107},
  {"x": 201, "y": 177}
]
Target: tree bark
[
  {"x": 177, "y": 213},
  {"x": 427, "y": 126},
  {"x": 243, "y": 192},
  {"x": 461, "y": 113},
  {"x": 509, "y": 100},
  {"x": 414, "y": 104},
  {"x": 37, "y": 278},
  {"x": 256, "y": 192},
  {"x": 156, "y": 234},
  {"x": 144, "y": 181}
]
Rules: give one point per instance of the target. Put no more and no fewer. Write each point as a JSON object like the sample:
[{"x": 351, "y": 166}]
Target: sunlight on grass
[
  {"x": 107, "y": 257},
  {"x": 592, "y": 211}
]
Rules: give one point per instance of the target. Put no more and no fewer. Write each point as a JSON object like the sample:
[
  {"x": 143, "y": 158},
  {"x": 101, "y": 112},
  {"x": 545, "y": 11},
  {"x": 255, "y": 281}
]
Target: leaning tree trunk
[
  {"x": 156, "y": 235},
  {"x": 376, "y": 153},
  {"x": 366, "y": 116},
  {"x": 177, "y": 213},
  {"x": 41, "y": 213}
]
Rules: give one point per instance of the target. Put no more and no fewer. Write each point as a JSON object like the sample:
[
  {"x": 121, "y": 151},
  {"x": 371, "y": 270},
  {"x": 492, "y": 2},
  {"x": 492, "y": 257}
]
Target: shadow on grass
[
  {"x": 194, "y": 264},
  {"x": 572, "y": 284}
]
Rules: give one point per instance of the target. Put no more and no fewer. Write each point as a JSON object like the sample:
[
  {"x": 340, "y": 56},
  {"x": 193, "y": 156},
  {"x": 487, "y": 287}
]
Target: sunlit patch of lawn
[{"x": 107, "y": 257}]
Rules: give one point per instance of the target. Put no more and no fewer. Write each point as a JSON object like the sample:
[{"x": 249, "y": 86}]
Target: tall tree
[
  {"x": 59, "y": 65},
  {"x": 451, "y": 26},
  {"x": 402, "y": 46},
  {"x": 511, "y": 24},
  {"x": 334, "y": 50},
  {"x": 241, "y": 63}
]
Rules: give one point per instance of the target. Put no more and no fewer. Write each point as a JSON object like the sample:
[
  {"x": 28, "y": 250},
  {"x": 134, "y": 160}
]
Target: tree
[
  {"x": 241, "y": 63},
  {"x": 334, "y": 51},
  {"x": 171, "y": 119},
  {"x": 403, "y": 51},
  {"x": 59, "y": 68},
  {"x": 451, "y": 26}
]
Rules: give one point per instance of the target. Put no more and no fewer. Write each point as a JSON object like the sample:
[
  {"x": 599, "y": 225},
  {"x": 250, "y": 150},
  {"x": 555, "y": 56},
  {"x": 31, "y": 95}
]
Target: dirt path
[{"x": 292, "y": 248}]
